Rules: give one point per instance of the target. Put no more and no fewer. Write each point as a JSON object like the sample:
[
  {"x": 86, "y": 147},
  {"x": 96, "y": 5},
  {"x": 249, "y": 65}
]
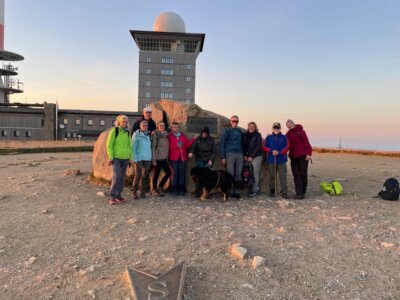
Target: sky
[{"x": 332, "y": 66}]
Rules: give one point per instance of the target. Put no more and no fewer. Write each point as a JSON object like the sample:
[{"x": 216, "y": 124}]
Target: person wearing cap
[
  {"x": 231, "y": 152},
  {"x": 253, "y": 154},
  {"x": 300, "y": 152},
  {"x": 160, "y": 150},
  {"x": 178, "y": 148},
  {"x": 141, "y": 155},
  {"x": 147, "y": 113},
  {"x": 204, "y": 150},
  {"x": 119, "y": 151},
  {"x": 276, "y": 146}
]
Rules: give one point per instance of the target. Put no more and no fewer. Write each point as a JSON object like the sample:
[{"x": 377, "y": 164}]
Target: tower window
[
  {"x": 148, "y": 59},
  {"x": 166, "y": 96},
  {"x": 168, "y": 72},
  {"x": 147, "y": 94},
  {"x": 148, "y": 83},
  {"x": 167, "y": 60},
  {"x": 188, "y": 90},
  {"x": 188, "y": 67},
  {"x": 148, "y": 71},
  {"x": 168, "y": 84},
  {"x": 188, "y": 79}
]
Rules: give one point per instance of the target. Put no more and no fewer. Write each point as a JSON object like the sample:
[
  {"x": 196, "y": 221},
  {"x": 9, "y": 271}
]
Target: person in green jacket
[{"x": 119, "y": 150}]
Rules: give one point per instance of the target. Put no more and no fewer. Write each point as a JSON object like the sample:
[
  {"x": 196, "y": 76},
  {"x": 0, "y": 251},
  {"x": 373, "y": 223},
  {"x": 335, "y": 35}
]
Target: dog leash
[{"x": 219, "y": 177}]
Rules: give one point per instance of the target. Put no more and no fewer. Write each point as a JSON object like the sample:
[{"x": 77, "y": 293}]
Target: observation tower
[{"x": 8, "y": 84}]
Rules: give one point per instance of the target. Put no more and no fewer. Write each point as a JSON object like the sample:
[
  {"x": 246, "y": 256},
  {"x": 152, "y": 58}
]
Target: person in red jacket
[
  {"x": 178, "y": 154},
  {"x": 300, "y": 152}
]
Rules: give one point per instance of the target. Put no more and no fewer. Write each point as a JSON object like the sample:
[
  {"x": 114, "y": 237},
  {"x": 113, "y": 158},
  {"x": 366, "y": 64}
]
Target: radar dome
[{"x": 169, "y": 22}]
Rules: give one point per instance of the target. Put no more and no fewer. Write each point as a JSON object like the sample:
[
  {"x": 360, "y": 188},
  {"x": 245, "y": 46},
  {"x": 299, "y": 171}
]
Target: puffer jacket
[
  {"x": 160, "y": 145},
  {"x": 141, "y": 146},
  {"x": 298, "y": 142},
  {"x": 231, "y": 141},
  {"x": 204, "y": 148}
]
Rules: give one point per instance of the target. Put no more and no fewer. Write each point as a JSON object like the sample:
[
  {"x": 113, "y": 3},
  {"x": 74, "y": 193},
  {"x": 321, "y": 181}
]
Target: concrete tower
[
  {"x": 167, "y": 60},
  {"x": 8, "y": 85}
]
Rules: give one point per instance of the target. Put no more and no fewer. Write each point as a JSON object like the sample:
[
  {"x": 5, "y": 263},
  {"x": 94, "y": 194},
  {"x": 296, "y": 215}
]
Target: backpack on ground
[
  {"x": 334, "y": 188},
  {"x": 247, "y": 174},
  {"x": 390, "y": 190}
]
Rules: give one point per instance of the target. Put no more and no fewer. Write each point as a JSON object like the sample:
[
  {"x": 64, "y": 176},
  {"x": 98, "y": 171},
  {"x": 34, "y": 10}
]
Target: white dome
[{"x": 169, "y": 22}]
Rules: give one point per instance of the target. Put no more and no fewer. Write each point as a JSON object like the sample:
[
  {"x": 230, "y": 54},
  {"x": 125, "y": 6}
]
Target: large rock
[{"x": 169, "y": 111}]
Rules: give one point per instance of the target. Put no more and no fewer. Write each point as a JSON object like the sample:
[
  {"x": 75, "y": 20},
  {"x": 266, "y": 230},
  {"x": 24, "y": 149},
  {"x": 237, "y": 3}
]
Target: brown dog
[{"x": 208, "y": 179}]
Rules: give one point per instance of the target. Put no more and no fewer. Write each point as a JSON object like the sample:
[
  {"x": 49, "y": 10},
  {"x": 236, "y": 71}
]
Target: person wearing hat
[
  {"x": 253, "y": 154},
  {"x": 204, "y": 151},
  {"x": 147, "y": 113},
  {"x": 119, "y": 151},
  {"x": 276, "y": 146},
  {"x": 300, "y": 152}
]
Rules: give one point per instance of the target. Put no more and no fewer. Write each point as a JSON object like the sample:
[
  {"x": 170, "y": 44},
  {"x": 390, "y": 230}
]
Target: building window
[
  {"x": 16, "y": 133},
  {"x": 167, "y": 84},
  {"x": 148, "y": 71},
  {"x": 168, "y": 72},
  {"x": 167, "y": 60},
  {"x": 147, "y": 82},
  {"x": 65, "y": 121},
  {"x": 90, "y": 122},
  {"x": 102, "y": 123},
  {"x": 4, "y": 133},
  {"x": 147, "y": 94},
  {"x": 74, "y": 135},
  {"x": 188, "y": 90},
  {"x": 78, "y": 122},
  {"x": 188, "y": 79},
  {"x": 148, "y": 59},
  {"x": 28, "y": 133},
  {"x": 188, "y": 67},
  {"x": 68, "y": 134},
  {"x": 166, "y": 96}
]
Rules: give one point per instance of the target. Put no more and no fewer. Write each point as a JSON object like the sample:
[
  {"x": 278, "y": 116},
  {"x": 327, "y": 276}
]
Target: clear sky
[{"x": 332, "y": 66}]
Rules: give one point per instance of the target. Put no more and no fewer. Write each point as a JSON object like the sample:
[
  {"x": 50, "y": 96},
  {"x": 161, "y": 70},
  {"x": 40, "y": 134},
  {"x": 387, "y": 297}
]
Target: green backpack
[{"x": 334, "y": 188}]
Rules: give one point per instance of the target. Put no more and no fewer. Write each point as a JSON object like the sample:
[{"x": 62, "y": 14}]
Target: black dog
[{"x": 208, "y": 179}]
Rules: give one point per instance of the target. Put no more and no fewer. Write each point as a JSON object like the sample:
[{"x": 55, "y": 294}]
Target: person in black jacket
[
  {"x": 146, "y": 116},
  {"x": 253, "y": 154},
  {"x": 204, "y": 151}
]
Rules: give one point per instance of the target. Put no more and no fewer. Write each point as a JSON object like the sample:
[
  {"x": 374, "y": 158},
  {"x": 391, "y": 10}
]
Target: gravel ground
[{"x": 59, "y": 239}]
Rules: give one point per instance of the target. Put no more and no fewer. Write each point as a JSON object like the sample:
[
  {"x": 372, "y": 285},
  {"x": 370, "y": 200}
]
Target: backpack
[
  {"x": 390, "y": 190},
  {"x": 334, "y": 188},
  {"x": 247, "y": 174},
  {"x": 117, "y": 131}
]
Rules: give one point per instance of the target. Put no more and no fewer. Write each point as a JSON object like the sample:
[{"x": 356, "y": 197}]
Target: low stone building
[{"x": 45, "y": 121}]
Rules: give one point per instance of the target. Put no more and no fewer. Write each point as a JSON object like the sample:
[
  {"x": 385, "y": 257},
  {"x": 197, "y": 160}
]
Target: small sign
[
  {"x": 195, "y": 125},
  {"x": 168, "y": 286}
]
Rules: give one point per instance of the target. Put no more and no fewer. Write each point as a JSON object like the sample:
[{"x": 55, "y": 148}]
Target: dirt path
[{"x": 60, "y": 240}]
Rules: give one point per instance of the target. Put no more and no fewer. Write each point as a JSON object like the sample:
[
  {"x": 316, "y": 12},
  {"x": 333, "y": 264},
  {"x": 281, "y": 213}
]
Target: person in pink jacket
[{"x": 178, "y": 155}]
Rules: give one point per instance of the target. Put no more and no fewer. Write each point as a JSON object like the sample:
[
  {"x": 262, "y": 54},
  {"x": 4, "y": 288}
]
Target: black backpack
[
  {"x": 390, "y": 190},
  {"x": 247, "y": 174}
]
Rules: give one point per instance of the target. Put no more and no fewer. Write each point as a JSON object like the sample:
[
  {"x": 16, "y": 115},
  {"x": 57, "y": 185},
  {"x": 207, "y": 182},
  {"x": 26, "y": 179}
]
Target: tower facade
[
  {"x": 167, "y": 61},
  {"x": 8, "y": 85}
]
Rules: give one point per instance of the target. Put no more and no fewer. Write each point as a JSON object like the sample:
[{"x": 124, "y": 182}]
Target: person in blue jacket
[
  {"x": 276, "y": 146},
  {"x": 141, "y": 155},
  {"x": 231, "y": 151}
]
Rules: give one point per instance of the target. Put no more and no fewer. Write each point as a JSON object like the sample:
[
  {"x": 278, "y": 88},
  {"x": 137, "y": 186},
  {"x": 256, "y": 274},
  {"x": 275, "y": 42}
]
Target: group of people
[{"x": 152, "y": 145}]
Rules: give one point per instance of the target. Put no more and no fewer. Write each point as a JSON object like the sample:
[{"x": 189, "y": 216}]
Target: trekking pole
[{"x": 276, "y": 179}]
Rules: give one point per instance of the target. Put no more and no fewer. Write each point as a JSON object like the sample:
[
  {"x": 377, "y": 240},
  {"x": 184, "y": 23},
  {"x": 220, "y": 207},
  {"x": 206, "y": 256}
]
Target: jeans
[
  {"x": 178, "y": 179},
  {"x": 119, "y": 171},
  {"x": 161, "y": 164},
  {"x": 256, "y": 163},
  {"x": 281, "y": 170},
  {"x": 234, "y": 166},
  {"x": 141, "y": 179},
  {"x": 299, "y": 169}
]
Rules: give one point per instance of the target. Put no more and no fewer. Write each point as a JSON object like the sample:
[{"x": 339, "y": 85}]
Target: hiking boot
[
  {"x": 285, "y": 196},
  {"x": 272, "y": 193},
  {"x": 112, "y": 201},
  {"x": 237, "y": 196},
  {"x": 252, "y": 194},
  {"x": 134, "y": 195},
  {"x": 298, "y": 197}
]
